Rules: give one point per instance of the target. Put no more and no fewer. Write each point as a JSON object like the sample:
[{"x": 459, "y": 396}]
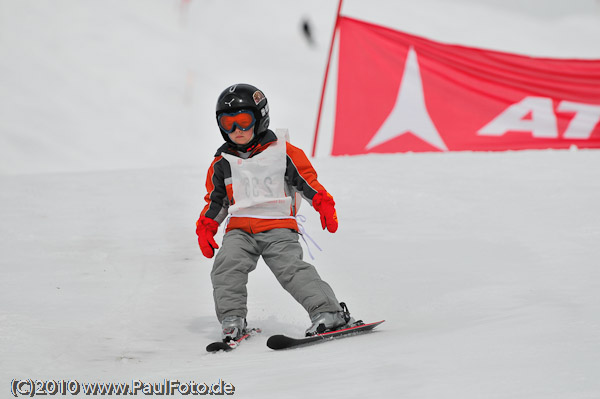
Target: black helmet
[{"x": 244, "y": 96}]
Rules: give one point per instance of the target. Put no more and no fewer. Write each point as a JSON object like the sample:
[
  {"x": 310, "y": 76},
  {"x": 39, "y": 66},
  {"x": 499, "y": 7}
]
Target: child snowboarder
[{"x": 254, "y": 184}]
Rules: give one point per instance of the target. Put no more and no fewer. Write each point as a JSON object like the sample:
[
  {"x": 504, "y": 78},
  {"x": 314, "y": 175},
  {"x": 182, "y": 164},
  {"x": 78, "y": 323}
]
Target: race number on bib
[{"x": 258, "y": 183}]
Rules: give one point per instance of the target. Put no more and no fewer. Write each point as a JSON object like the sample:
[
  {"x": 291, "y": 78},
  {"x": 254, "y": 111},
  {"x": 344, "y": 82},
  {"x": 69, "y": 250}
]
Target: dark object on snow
[{"x": 307, "y": 31}]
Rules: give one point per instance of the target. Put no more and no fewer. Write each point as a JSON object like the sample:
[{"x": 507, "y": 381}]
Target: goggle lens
[{"x": 244, "y": 120}]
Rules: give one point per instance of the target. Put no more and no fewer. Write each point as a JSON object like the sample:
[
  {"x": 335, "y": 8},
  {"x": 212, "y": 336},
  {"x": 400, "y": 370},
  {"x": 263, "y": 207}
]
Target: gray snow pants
[{"x": 282, "y": 253}]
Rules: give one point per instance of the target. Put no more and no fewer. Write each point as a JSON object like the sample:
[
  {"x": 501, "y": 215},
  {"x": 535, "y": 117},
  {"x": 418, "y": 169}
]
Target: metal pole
[{"x": 337, "y": 19}]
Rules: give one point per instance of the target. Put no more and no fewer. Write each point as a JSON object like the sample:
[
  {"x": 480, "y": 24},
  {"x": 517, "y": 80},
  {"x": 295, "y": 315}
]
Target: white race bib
[{"x": 258, "y": 184}]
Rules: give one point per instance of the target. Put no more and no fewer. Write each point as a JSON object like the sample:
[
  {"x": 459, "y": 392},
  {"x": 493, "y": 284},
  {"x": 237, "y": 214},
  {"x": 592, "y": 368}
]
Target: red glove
[
  {"x": 206, "y": 228},
  {"x": 324, "y": 204}
]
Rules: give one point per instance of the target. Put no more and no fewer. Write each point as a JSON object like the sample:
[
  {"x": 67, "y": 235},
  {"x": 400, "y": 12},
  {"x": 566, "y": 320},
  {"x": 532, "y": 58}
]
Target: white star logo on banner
[{"x": 409, "y": 114}]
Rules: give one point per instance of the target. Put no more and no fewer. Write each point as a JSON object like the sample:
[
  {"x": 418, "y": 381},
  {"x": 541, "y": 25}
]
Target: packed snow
[{"x": 484, "y": 265}]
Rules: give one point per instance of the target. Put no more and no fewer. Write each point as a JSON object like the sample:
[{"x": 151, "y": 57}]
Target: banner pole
[{"x": 335, "y": 28}]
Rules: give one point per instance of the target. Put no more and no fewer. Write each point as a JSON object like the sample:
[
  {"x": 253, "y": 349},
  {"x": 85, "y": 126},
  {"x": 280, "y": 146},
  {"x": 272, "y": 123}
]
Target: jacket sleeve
[
  {"x": 217, "y": 201},
  {"x": 301, "y": 175}
]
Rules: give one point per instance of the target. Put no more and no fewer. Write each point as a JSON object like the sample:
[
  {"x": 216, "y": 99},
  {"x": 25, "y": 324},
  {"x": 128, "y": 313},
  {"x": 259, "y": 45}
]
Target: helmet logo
[
  {"x": 232, "y": 88},
  {"x": 229, "y": 102},
  {"x": 258, "y": 96}
]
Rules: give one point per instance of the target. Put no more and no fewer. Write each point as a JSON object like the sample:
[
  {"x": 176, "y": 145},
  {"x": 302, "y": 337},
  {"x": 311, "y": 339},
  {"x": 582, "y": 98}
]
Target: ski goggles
[{"x": 243, "y": 120}]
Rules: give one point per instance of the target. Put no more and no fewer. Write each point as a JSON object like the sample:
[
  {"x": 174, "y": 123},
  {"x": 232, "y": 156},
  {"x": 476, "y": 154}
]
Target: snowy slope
[
  {"x": 485, "y": 266},
  {"x": 88, "y": 85}
]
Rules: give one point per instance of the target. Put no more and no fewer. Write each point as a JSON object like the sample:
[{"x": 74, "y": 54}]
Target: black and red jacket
[{"x": 300, "y": 179}]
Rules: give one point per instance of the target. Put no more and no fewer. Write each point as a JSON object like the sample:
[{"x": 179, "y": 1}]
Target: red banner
[{"x": 400, "y": 93}]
